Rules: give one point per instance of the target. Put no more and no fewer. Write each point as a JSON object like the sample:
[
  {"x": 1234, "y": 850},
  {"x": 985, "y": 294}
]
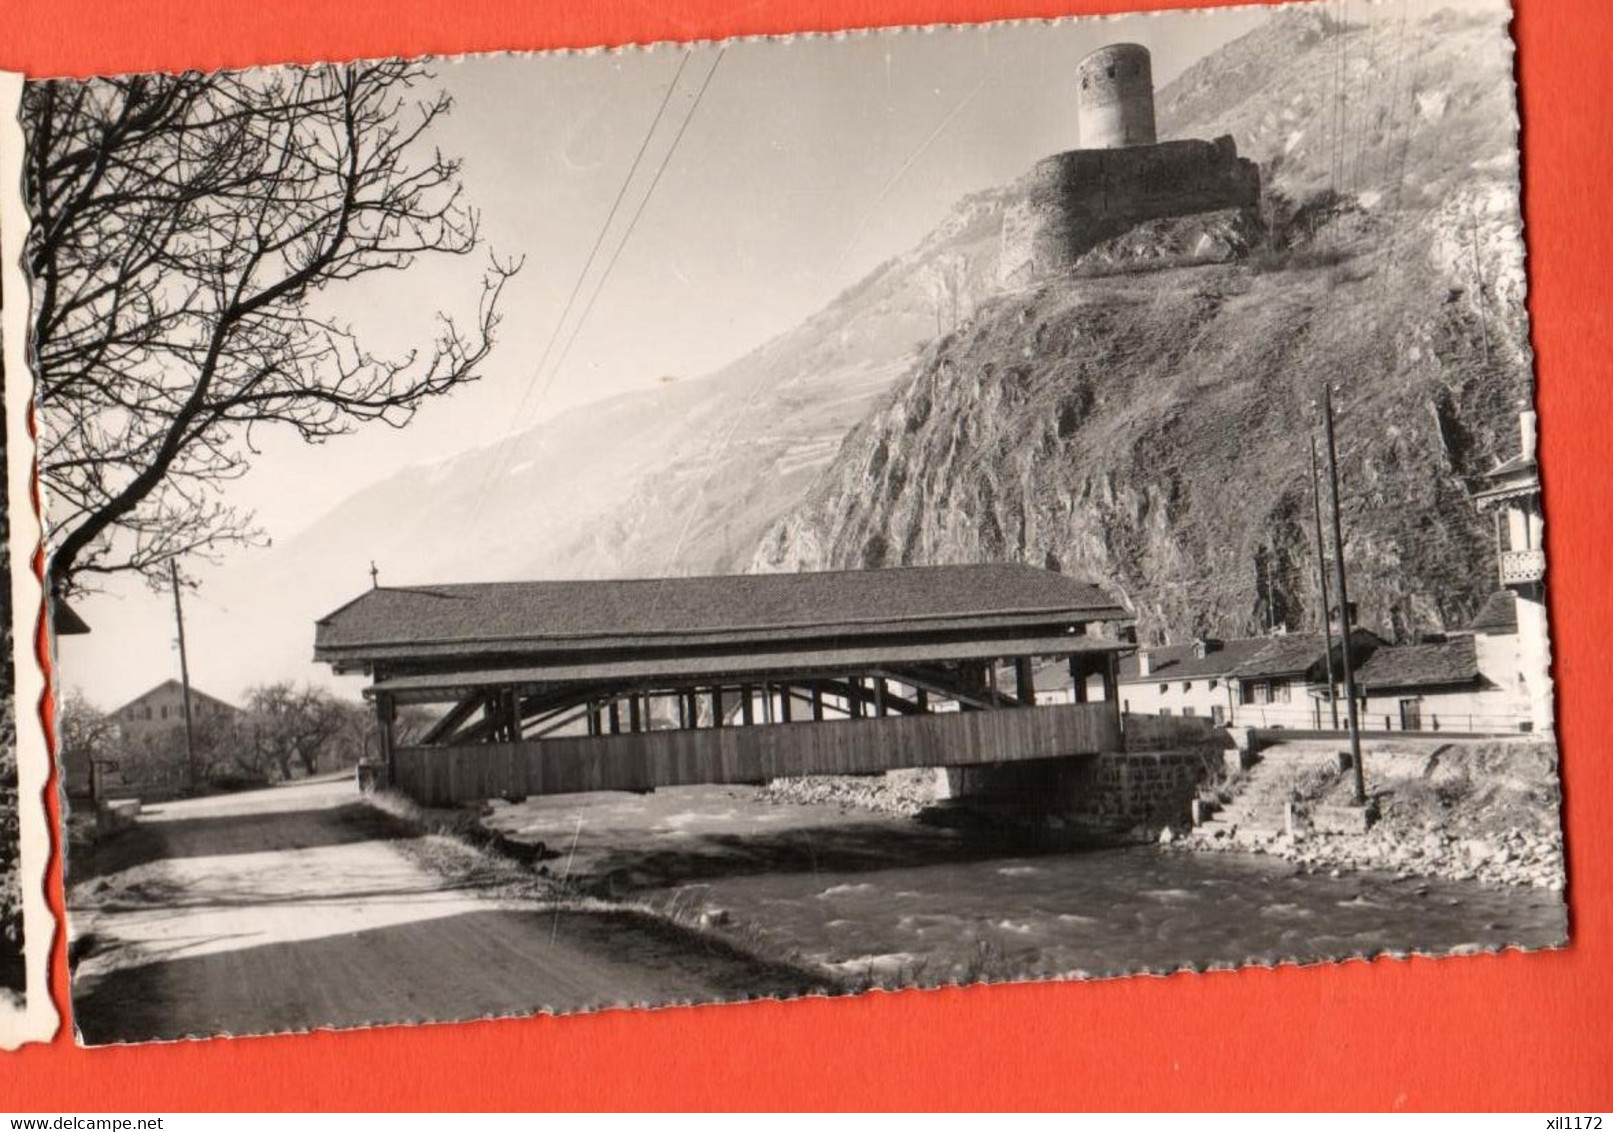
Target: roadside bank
[{"x": 1464, "y": 810}]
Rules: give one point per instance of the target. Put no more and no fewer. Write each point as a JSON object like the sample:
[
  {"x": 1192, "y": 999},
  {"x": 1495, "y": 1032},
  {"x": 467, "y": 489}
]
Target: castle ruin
[{"x": 1121, "y": 176}]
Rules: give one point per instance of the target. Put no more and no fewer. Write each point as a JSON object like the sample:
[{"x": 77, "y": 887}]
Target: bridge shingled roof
[{"x": 717, "y": 608}]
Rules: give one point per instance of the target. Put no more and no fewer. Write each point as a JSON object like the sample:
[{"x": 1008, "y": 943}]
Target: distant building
[
  {"x": 163, "y": 708},
  {"x": 1511, "y": 492},
  {"x": 1271, "y": 681},
  {"x": 1191, "y": 680},
  {"x": 1433, "y": 685},
  {"x": 150, "y": 758}
]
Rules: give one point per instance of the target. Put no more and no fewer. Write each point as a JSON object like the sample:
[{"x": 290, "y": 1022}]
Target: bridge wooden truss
[{"x": 556, "y": 687}]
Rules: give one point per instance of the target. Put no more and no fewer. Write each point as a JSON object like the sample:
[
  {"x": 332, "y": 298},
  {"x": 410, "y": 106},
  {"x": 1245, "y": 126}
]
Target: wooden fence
[{"x": 646, "y": 760}]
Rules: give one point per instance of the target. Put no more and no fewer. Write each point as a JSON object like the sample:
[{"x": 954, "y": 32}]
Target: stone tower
[{"x": 1115, "y": 104}]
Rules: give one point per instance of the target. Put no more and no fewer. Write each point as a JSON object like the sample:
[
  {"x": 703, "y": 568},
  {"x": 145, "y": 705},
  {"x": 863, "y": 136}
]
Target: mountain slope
[{"x": 681, "y": 478}]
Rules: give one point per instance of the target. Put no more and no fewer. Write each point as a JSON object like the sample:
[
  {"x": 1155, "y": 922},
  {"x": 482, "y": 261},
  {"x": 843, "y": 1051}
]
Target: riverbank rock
[
  {"x": 1472, "y": 810},
  {"x": 901, "y": 795}
]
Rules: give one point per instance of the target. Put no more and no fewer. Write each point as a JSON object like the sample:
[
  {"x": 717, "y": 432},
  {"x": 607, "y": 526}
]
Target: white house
[
  {"x": 1273, "y": 681},
  {"x": 1512, "y": 492}
]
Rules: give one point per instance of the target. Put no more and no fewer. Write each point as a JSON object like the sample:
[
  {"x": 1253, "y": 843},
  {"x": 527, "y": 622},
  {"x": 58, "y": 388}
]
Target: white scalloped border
[{"x": 37, "y": 1020}]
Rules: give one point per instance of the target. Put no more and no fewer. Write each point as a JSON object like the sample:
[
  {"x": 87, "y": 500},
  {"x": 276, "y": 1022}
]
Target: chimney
[
  {"x": 1526, "y": 433},
  {"x": 1142, "y": 662}
]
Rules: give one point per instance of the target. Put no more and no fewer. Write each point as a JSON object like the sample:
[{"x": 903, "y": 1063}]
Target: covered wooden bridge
[{"x": 566, "y": 686}]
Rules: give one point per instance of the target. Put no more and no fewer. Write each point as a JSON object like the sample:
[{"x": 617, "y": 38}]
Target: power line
[
  {"x": 599, "y": 287},
  {"x": 599, "y": 240},
  {"x": 1364, "y": 130},
  {"x": 902, "y": 169},
  {"x": 497, "y": 464},
  {"x": 1336, "y": 120}
]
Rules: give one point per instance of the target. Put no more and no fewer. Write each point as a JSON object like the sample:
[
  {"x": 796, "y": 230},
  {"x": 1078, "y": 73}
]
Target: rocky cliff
[{"x": 1151, "y": 429}]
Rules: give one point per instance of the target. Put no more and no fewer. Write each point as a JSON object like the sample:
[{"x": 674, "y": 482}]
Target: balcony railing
[{"x": 1521, "y": 566}]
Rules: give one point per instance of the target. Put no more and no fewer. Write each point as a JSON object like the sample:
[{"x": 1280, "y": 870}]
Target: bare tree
[
  {"x": 188, "y": 231},
  {"x": 289, "y": 723}
]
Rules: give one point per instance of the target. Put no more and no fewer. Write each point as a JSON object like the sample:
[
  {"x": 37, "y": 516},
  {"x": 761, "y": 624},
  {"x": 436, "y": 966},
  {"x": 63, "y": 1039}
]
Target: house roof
[
  {"x": 1249, "y": 658},
  {"x": 1519, "y": 476},
  {"x": 557, "y": 616},
  {"x": 1300, "y": 654},
  {"x": 1522, "y": 462},
  {"x": 174, "y": 686},
  {"x": 1287, "y": 655},
  {"x": 1498, "y": 616},
  {"x": 64, "y": 620},
  {"x": 1180, "y": 662},
  {"x": 1435, "y": 664}
]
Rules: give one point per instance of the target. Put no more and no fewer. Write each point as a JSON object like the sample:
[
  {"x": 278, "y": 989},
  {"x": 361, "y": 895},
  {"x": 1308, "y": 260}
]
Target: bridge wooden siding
[{"x": 444, "y": 775}]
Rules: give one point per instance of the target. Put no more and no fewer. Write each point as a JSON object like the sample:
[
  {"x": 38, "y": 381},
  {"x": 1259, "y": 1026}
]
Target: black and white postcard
[{"x": 790, "y": 516}]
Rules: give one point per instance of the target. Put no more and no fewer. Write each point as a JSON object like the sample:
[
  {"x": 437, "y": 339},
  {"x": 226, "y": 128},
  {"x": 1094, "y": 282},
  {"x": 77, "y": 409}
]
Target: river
[{"x": 884, "y": 900}]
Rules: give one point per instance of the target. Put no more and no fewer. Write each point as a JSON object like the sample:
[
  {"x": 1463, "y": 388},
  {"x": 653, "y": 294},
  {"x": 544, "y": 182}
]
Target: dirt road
[{"x": 298, "y": 908}]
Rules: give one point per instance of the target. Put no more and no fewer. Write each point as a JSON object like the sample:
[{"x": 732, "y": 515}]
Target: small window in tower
[
  {"x": 1111, "y": 72},
  {"x": 1085, "y": 83}
]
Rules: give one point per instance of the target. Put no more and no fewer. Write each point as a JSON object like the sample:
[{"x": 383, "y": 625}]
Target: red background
[{"x": 1513, "y": 1031}]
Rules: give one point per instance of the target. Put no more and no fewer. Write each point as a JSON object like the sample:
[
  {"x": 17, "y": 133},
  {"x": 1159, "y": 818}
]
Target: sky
[{"x": 805, "y": 164}]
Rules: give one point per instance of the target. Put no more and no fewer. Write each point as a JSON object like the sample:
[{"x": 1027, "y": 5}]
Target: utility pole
[
  {"x": 1321, "y": 578},
  {"x": 184, "y": 675},
  {"x": 1344, "y": 598}
]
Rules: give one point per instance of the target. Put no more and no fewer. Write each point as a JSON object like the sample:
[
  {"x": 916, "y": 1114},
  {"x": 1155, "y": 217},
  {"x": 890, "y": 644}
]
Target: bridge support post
[
  {"x": 1079, "y": 675},
  {"x": 386, "y": 714},
  {"x": 1024, "y": 680},
  {"x": 513, "y": 714}
]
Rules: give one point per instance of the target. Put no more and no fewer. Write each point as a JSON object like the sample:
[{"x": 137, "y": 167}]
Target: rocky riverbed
[
  {"x": 1486, "y": 811},
  {"x": 877, "y": 899},
  {"x": 1513, "y": 857},
  {"x": 902, "y": 794}
]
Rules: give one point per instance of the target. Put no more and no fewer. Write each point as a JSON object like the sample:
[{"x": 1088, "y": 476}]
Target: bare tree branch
[{"x": 186, "y": 231}]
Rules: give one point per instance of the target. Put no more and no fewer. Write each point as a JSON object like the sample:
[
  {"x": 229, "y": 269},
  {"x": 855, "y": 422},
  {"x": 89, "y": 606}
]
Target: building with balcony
[{"x": 1511, "y": 493}]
